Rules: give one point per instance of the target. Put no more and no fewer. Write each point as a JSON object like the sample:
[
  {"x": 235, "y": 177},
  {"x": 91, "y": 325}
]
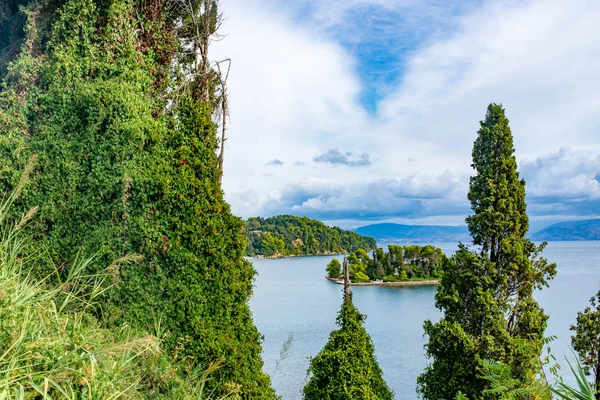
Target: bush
[
  {"x": 127, "y": 166},
  {"x": 50, "y": 344},
  {"x": 402, "y": 277},
  {"x": 53, "y": 339},
  {"x": 334, "y": 268},
  {"x": 360, "y": 277}
]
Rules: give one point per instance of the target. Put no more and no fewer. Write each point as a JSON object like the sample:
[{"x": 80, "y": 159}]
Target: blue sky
[{"x": 362, "y": 111}]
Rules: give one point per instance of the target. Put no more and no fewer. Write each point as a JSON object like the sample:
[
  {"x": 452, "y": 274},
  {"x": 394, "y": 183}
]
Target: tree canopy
[
  {"x": 123, "y": 123},
  {"x": 399, "y": 263},
  {"x": 346, "y": 368},
  {"x": 287, "y": 235},
  {"x": 486, "y": 293}
]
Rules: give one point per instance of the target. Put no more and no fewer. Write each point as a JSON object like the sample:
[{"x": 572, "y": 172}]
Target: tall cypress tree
[
  {"x": 487, "y": 294},
  {"x": 346, "y": 368},
  {"x": 127, "y": 163}
]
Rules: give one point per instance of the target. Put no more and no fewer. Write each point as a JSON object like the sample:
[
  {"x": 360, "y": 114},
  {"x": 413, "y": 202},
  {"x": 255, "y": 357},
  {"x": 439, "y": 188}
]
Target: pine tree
[
  {"x": 127, "y": 163},
  {"x": 346, "y": 368},
  {"x": 487, "y": 295}
]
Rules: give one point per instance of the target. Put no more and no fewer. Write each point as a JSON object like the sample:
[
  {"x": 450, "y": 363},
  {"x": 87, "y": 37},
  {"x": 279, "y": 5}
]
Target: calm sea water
[{"x": 292, "y": 297}]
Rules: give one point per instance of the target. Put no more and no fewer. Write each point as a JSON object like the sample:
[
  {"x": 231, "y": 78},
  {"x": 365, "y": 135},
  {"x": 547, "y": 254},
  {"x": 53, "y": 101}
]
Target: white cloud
[
  {"x": 566, "y": 179},
  {"x": 294, "y": 95}
]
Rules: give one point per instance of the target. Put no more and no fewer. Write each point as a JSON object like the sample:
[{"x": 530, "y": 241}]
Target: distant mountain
[
  {"x": 415, "y": 233},
  {"x": 570, "y": 230}
]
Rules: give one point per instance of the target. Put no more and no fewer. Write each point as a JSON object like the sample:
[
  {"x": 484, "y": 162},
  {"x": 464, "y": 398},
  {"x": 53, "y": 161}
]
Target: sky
[{"x": 363, "y": 111}]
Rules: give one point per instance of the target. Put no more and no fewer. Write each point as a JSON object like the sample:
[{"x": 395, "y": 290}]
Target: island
[
  {"x": 289, "y": 236},
  {"x": 411, "y": 265}
]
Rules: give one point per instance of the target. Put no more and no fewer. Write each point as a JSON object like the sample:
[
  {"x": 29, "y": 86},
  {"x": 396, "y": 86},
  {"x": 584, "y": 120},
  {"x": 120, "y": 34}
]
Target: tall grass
[{"x": 52, "y": 345}]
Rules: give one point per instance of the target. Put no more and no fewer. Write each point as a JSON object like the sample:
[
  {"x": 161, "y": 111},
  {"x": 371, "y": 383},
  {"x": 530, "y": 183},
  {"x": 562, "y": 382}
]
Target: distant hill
[
  {"x": 415, "y": 233},
  {"x": 287, "y": 235},
  {"x": 569, "y": 231}
]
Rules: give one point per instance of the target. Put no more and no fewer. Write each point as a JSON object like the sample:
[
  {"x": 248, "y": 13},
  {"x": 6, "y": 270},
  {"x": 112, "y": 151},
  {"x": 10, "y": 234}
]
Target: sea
[{"x": 292, "y": 299}]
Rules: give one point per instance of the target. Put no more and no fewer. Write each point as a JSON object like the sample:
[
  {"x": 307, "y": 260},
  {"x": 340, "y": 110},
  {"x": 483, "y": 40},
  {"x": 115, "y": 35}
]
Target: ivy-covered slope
[
  {"x": 287, "y": 235},
  {"x": 126, "y": 164}
]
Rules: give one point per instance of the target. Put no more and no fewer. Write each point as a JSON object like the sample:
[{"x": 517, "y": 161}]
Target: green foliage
[
  {"x": 401, "y": 277},
  {"x": 504, "y": 387},
  {"x": 487, "y": 295},
  {"x": 346, "y": 368},
  {"x": 586, "y": 340},
  {"x": 287, "y": 235},
  {"x": 583, "y": 391},
  {"x": 127, "y": 164},
  {"x": 334, "y": 268},
  {"x": 358, "y": 263},
  {"x": 398, "y": 264},
  {"x": 51, "y": 344},
  {"x": 496, "y": 193},
  {"x": 360, "y": 277}
]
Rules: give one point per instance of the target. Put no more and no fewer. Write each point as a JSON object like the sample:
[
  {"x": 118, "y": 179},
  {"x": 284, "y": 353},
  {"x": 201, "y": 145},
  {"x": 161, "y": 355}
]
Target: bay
[{"x": 292, "y": 297}]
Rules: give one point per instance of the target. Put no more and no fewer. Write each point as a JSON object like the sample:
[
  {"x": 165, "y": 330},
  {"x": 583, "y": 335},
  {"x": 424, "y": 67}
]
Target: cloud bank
[
  {"x": 298, "y": 85},
  {"x": 334, "y": 156}
]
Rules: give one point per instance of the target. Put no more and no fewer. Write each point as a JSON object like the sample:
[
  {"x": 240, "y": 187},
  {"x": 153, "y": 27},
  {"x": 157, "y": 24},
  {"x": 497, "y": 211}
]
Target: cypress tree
[
  {"x": 346, "y": 368},
  {"x": 487, "y": 294},
  {"x": 127, "y": 163}
]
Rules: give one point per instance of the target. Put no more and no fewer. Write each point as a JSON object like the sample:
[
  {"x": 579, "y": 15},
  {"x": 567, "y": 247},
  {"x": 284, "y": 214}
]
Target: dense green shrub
[
  {"x": 586, "y": 341},
  {"x": 287, "y": 235},
  {"x": 360, "y": 277},
  {"x": 334, "y": 268},
  {"x": 346, "y": 368},
  {"x": 51, "y": 344},
  {"x": 401, "y": 277},
  {"x": 126, "y": 164}
]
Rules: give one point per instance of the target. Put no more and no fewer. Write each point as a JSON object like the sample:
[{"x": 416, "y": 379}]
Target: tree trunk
[
  {"x": 346, "y": 281},
  {"x": 223, "y": 129}
]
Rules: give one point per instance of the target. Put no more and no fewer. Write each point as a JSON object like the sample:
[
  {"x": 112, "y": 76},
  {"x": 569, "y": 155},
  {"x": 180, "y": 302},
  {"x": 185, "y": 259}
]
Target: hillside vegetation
[
  {"x": 287, "y": 235},
  {"x": 123, "y": 121},
  {"x": 398, "y": 264}
]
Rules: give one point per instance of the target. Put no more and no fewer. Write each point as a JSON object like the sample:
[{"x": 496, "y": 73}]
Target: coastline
[
  {"x": 406, "y": 283},
  {"x": 280, "y": 256}
]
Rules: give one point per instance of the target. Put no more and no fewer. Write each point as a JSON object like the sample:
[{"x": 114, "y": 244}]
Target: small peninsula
[
  {"x": 288, "y": 236},
  {"x": 400, "y": 266}
]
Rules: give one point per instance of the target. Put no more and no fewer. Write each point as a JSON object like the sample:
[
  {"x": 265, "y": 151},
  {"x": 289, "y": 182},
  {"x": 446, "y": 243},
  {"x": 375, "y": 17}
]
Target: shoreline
[
  {"x": 280, "y": 257},
  {"x": 405, "y": 283}
]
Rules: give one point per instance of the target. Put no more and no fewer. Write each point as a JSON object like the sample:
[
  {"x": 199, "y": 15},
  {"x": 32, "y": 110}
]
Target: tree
[
  {"x": 486, "y": 295},
  {"x": 586, "y": 340},
  {"x": 346, "y": 368},
  {"x": 334, "y": 268},
  {"x": 303, "y": 236},
  {"x": 127, "y": 141}
]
